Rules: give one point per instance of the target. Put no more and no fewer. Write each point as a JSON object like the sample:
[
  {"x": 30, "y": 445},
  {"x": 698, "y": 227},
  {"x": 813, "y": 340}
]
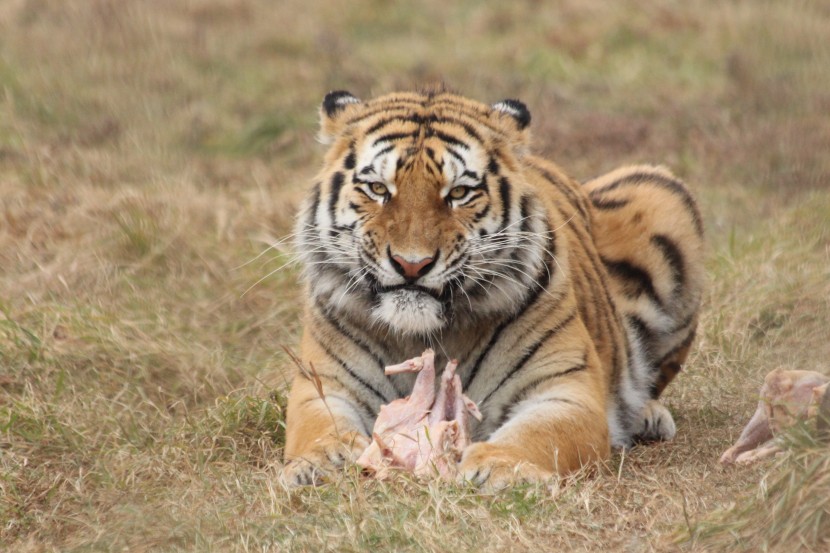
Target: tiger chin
[
  {"x": 569, "y": 306},
  {"x": 410, "y": 312}
]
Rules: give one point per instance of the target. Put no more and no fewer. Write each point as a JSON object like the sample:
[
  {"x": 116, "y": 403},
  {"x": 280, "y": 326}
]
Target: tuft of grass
[
  {"x": 18, "y": 337},
  {"x": 789, "y": 511},
  {"x": 243, "y": 428}
]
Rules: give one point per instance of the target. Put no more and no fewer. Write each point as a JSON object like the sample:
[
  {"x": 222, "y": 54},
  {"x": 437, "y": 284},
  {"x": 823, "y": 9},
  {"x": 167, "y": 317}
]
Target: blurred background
[{"x": 151, "y": 150}]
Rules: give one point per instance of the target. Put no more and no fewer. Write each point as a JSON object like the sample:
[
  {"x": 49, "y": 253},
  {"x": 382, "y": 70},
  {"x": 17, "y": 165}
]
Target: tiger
[{"x": 569, "y": 306}]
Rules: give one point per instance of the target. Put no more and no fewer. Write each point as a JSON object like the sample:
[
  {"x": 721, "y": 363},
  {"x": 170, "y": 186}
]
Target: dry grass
[
  {"x": 790, "y": 510},
  {"x": 149, "y": 149}
]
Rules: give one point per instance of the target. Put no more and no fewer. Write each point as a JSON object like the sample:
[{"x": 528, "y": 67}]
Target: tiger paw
[
  {"x": 495, "y": 467},
  {"x": 657, "y": 424},
  {"x": 322, "y": 459}
]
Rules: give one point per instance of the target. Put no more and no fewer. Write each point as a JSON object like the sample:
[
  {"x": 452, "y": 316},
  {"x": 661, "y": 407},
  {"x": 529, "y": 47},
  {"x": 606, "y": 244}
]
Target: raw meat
[
  {"x": 424, "y": 433},
  {"x": 786, "y": 398}
]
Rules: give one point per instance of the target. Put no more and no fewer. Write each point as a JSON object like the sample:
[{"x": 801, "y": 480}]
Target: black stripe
[
  {"x": 408, "y": 105},
  {"x": 504, "y": 194},
  {"x": 385, "y": 108},
  {"x": 607, "y": 204},
  {"x": 457, "y": 156},
  {"x": 455, "y": 262},
  {"x": 481, "y": 214},
  {"x": 662, "y": 380},
  {"x": 530, "y": 353},
  {"x": 643, "y": 332},
  {"x": 367, "y": 349},
  {"x": 525, "y": 391},
  {"x": 493, "y": 166},
  {"x": 382, "y": 398},
  {"x": 429, "y": 120},
  {"x": 334, "y": 194},
  {"x": 448, "y": 138},
  {"x": 315, "y": 202},
  {"x": 350, "y": 160},
  {"x": 674, "y": 258},
  {"x": 468, "y": 128},
  {"x": 431, "y": 155},
  {"x": 524, "y": 214},
  {"x": 447, "y": 119},
  {"x": 522, "y": 394},
  {"x": 380, "y": 124},
  {"x": 637, "y": 280},
  {"x": 687, "y": 340},
  {"x": 550, "y": 247},
  {"x": 418, "y": 119},
  {"x": 383, "y": 151},
  {"x": 672, "y": 185},
  {"x": 472, "y": 198},
  {"x": 393, "y": 136},
  {"x": 359, "y": 189}
]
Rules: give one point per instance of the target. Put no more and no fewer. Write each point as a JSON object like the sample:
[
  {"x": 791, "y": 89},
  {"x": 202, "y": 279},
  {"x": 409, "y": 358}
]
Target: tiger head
[{"x": 421, "y": 215}]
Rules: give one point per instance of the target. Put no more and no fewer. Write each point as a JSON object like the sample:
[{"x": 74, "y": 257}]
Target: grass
[
  {"x": 149, "y": 150},
  {"x": 791, "y": 504}
]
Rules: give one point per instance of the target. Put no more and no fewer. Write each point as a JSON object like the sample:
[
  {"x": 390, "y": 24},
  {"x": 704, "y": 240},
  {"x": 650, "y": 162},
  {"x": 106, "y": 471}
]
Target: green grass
[{"x": 150, "y": 150}]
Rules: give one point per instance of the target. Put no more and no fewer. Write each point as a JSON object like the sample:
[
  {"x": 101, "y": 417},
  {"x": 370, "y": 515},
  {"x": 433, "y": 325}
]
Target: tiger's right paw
[
  {"x": 656, "y": 424},
  {"x": 323, "y": 457}
]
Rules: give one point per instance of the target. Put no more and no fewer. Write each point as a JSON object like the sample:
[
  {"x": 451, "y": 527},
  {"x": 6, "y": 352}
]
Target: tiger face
[{"x": 421, "y": 227}]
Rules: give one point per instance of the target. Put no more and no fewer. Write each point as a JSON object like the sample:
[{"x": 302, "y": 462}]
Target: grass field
[{"x": 149, "y": 150}]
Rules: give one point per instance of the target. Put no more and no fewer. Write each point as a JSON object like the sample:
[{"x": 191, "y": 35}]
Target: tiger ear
[
  {"x": 336, "y": 105},
  {"x": 516, "y": 110},
  {"x": 513, "y": 118}
]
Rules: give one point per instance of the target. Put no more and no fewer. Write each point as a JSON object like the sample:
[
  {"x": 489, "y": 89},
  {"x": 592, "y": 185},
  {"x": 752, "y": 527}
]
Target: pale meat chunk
[
  {"x": 425, "y": 432},
  {"x": 786, "y": 398}
]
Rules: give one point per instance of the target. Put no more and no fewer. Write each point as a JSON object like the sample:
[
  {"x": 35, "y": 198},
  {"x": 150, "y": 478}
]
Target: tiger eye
[
  {"x": 458, "y": 192},
  {"x": 379, "y": 189}
]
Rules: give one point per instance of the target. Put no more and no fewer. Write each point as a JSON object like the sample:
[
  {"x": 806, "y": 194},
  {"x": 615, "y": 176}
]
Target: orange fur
[{"x": 570, "y": 307}]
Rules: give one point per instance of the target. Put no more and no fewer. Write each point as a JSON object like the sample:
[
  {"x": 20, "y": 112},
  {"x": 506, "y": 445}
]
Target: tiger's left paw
[
  {"x": 496, "y": 467},
  {"x": 322, "y": 459},
  {"x": 656, "y": 423}
]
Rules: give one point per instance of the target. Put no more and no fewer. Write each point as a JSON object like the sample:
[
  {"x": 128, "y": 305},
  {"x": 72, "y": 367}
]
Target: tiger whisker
[
  {"x": 479, "y": 280},
  {"x": 353, "y": 281}
]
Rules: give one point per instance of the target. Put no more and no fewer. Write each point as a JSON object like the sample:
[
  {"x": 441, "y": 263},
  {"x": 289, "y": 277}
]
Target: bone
[
  {"x": 787, "y": 397},
  {"x": 823, "y": 422},
  {"x": 425, "y": 432}
]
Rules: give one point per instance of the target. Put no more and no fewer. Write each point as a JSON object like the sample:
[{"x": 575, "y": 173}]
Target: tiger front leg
[
  {"x": 555, "y": 434},
  {"x": 321, "y": 436}
]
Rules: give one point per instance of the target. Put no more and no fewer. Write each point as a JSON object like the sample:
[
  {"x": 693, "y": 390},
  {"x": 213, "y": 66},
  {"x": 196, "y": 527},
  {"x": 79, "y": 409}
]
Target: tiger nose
[{"x": 411, "y": 270}]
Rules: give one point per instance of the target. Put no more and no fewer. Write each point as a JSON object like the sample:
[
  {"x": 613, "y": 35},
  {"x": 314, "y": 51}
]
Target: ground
[{"x": 150, "y": 150}]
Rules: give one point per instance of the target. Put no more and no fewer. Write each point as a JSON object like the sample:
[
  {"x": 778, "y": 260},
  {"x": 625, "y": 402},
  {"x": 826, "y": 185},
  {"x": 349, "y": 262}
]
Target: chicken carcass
[
  {"x": 423, "y": 433},
  {"x": 786, "y": 398}
]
